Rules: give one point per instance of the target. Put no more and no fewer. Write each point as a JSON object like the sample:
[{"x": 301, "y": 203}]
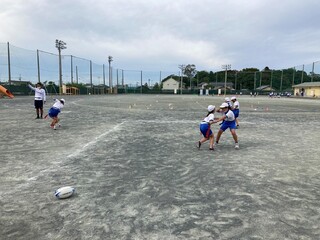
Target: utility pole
[
  {"x": 226, "y": 67},
  {"x": 60, "y": 45},
  {"x": 110, "y": 83},
  {"x": 182, "y": 68}
]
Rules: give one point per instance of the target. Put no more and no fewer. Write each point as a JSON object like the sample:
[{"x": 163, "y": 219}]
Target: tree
[{"x": 190, "y": 71}]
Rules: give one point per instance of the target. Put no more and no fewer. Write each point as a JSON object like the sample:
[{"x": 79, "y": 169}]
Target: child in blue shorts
[
  {"x": 236, "y": 109},
  {"x": 228, "y": 119},
  {"x": 54, "y": 112},
  {"x": 205, "y": 128}
]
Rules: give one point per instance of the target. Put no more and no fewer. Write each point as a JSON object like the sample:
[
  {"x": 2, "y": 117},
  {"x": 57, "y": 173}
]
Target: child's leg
[
  {"x": 37, "y": 111},
  {"x": 219, "y": 135},
  {"x": 54, "y": 121},
  {"x": 211, "y": 142},
  {"x": 234, "y": 135}
]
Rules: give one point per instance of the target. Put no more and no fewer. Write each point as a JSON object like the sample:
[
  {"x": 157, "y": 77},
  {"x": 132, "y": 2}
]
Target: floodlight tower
[
  {"x": 226, "y": 67},
  {"x": 60, "y": 45},
  {"x": 182, "y": 67},
  {"x": 110, "y": 76}
]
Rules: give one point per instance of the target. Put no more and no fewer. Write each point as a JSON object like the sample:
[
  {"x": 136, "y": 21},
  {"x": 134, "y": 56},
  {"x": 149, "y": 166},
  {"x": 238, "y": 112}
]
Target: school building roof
[{"x": 308, "y": 84}]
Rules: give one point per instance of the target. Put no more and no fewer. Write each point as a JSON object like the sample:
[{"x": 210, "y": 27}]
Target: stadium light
[
  {"x": 109, "y": 61},
  {"x": 226, "y": 67},
  {"x": 182, "y": 67},
  {"x": 60, "y": 45}
]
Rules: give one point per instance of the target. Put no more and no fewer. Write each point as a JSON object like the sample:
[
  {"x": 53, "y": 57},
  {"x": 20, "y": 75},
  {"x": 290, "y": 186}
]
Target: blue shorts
[
  {"x": 228, "y": 124},
  {"x": 53, "y": 112},
  {"x": 236, "y": 113},
  {"x": 205, "y": 130}
]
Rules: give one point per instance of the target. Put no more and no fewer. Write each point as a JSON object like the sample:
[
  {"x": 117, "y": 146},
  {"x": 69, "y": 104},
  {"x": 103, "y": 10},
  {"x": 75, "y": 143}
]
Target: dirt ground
[{"x": 138, "y": 173}]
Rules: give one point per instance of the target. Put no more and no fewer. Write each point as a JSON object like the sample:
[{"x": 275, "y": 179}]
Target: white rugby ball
[{"x": 64, "y": 192}]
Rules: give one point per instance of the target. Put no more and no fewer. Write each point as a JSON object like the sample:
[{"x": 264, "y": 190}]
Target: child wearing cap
[
  {"x": 205, "y": 128},
  {"x": 54, "y": 111},
  {"x": 236, "y": 109},
  {"x": 228, "y": 119}
]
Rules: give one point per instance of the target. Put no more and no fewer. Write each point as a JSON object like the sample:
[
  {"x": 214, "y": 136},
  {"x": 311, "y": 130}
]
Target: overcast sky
[{"x": 161, "y": 34}]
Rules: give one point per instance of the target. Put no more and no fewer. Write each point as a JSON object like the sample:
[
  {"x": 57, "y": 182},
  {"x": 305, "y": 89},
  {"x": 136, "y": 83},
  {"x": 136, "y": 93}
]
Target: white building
[{"x": 171, "y": 84}]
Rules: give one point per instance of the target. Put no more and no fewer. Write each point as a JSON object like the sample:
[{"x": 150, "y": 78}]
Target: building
[
  {"x": 307, "y": 89},
  {"x": 171, "y": 84}
]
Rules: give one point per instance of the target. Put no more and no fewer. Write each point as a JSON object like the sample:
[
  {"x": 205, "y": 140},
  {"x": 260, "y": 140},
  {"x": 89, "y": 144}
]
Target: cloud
[{"x": 163, "y": 34}]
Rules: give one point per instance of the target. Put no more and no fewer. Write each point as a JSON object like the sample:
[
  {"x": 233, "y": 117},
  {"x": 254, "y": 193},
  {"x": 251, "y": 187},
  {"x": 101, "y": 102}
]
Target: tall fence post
[
  {"x": 141, "y": 83},
  {"x": 38, "y": 65},
  {"x": 9, "y": 65},
  {"x": 71, "y": 70}
]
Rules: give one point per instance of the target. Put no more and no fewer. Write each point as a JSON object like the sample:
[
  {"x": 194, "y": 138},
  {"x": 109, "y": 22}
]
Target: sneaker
[
  {"x": 236, "y": 146},
  {"x": 199, "y": 145},
  {"x": 211, "y": 149},
  {"x": 54, "y": 127}
]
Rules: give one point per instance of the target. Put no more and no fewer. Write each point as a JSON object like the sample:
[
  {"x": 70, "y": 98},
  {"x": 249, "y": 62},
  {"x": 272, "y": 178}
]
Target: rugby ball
[{"x": 64, "y": 192}]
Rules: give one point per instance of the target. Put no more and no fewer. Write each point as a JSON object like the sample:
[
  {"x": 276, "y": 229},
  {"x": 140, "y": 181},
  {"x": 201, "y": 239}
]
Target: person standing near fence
[{"x": 39, "y": 98}]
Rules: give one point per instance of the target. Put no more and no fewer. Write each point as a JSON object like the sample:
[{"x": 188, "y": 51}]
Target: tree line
[{"x": 248, "y": 78}]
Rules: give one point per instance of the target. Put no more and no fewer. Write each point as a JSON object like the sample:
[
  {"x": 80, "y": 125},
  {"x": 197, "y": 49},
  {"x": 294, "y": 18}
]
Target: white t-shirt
[
  {"x": 40, "y": 93},
  {"x": 229, "y": 116},
  {"x": 209, "y": 118},
  {"x": 57, "y": 104},
  {"x": 236, "y": 105}
]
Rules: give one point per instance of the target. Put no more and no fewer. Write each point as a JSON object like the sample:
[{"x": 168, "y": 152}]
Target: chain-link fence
[{"x": 22, "y": 65}]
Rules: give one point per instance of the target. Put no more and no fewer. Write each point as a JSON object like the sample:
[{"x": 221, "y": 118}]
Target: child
[
  {"x": 228, "y": 122},
  {"x": 205, "y": 128},
  {"x": 39, "y": 98},
  {"x": 236, "y": 109},
  {"x": 54, "y": 111}
]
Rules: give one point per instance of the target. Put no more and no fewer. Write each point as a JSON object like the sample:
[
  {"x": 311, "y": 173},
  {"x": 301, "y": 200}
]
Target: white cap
[
  {"x": 211, "y": 108},
  {"x": 233, "y": 98},
  {"x": 227, "y": 99},
  {"x": 224, "y": 105},
  {"x": 62, "y": 100}
]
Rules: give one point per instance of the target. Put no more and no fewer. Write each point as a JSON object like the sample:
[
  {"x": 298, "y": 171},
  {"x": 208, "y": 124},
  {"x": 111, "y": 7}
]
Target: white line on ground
[{"x": 95, "y": 140}]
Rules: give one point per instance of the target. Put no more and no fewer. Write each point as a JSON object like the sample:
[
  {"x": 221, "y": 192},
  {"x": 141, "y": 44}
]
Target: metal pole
[
  {"x": 271, "y": 78},
  {"x": 38, "y": 65},
  {"x": 117, "y": 79},
  {"x": 293, "y": 73},
  {"x": 182, "y": 67},
  {"x": 60, "y": 45},
  {"x": 260, "y": 79},
  {"x": 71, "y": 70},
  {"x": 9, "y": 65},
  {"x": 281, "y": 81},
  {"x": 255, "y": 78},
  {"x": 141, "y": 83},
  {"x": 302, "y": 73},
  {"x": 109, "y": 61},
  {"x": 312, "y": 73},
  {"x": 77, "y": 74},
  {"x": 226, "y": 67},
  {"x": 91, "y": 76},
  {"x": 60, "y": 72},
  {"x": 104, "y": 75},
  {"x": 122, "y": 78}
]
